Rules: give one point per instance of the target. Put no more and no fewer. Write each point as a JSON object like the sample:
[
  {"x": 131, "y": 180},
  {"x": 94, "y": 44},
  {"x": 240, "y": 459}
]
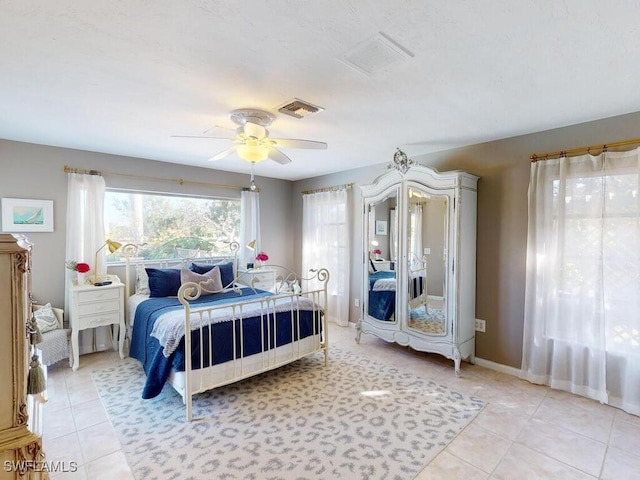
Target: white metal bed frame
[{"x": 194, "y": 381}]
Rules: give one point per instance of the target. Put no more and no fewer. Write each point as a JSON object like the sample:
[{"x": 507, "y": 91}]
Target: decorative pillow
[
  {"x": 142, "y": 280},
  {"x": 163, "y": 282},
  {"x": 46, "y": 319},
  {"x": 226, "y": 271},
  {"x": 210, "y": 281}
]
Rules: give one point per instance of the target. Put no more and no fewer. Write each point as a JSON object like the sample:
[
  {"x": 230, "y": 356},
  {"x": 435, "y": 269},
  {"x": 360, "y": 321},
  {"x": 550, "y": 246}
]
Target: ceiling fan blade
[
  {"x": 200, "y": 136},
  {"x": 278, "y": 156},
  {"x": 224, "y": 153},
  {"x": 254, "y": 130},
  {"x": 295, "y": 143},
  {"x": 218, "y": 127}
]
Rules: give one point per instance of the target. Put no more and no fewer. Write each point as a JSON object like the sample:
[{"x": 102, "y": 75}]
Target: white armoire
[
  {"x": 419, "y": 265},
  {"x": 21, "y": 455}
]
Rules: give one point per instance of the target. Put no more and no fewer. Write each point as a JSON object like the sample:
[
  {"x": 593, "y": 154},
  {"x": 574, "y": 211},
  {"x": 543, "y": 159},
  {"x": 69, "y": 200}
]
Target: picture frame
[
  {"x": 26, "y": 215},
  {"x": 381, "y": 227}
]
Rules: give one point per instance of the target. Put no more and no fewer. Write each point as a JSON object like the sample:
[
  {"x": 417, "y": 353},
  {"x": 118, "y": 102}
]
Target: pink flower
[
  {"x": 263, "y": 257},
  {"x": 377, "y": 251}
]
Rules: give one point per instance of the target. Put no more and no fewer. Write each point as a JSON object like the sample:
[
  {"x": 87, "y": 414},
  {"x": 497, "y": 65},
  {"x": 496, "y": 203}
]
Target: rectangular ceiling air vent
[
  {"x": 298, "y": 108},
  {"x": 375, "y": 54}
]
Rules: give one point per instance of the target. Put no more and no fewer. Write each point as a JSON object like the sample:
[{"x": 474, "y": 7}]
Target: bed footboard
[{"x": 260, "y": 334}]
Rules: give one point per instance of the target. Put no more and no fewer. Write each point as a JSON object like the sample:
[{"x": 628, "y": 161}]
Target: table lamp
[{"x": 113, "y": 246}]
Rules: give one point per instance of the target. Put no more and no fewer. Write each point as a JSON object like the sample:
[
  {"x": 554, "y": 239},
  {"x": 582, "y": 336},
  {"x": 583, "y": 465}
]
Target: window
[
  {"x": 597, "y": 217},
  {"x": 171, "y": 226},
  {"x": 582, "y": 312}
]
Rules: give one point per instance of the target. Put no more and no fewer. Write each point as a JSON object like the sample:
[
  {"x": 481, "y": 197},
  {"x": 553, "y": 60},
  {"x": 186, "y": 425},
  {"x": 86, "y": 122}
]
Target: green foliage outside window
[{"x": 171, "y": 226}]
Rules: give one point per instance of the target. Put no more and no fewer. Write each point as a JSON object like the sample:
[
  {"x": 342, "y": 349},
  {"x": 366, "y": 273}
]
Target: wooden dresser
[{"x": 21, "y": 455}]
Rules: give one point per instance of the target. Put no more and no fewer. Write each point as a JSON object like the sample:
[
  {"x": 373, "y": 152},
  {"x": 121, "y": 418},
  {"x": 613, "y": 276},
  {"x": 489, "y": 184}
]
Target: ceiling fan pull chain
[{"x": 252, "y": 187}]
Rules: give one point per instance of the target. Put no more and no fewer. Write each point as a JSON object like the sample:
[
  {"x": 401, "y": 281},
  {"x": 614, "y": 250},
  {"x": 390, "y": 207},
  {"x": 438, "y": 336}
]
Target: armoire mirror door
[
  {"x": 381, "y": 247},
  {"x": 427, "y": 251}
]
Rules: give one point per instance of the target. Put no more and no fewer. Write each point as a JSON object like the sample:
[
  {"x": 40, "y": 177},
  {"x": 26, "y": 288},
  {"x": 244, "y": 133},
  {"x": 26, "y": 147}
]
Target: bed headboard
[{"x": 184, "y": 258}]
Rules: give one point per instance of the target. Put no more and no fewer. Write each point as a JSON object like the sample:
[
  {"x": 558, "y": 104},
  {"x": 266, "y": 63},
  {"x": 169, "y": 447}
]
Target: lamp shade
[
  {"x": 112, "y": 246},
  {"x": 251, "y": 245}
]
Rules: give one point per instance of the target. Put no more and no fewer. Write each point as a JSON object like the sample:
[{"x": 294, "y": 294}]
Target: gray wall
[
  {"x": 502, "y": 220},
  {"x": 37, "y": 172},
  {"x": 32, "y": 171}
]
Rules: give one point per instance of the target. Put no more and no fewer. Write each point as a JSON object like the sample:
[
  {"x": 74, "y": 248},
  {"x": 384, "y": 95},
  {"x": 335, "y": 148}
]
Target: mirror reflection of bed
[
  {"x": 426, "y": 311},
  {"x": 382, "y": 293},
  {"x": 382, "y": 243}
]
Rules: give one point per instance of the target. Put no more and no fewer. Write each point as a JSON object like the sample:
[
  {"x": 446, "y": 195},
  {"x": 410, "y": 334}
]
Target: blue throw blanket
[
  {"x": 382, "y": 304},
  {"x": 148, "y": 349}
]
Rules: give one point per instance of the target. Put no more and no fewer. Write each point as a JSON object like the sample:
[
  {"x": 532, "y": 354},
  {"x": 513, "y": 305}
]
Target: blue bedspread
[
  {"x": 148, "y": 350},
  {"x": 382, "y": 304}
]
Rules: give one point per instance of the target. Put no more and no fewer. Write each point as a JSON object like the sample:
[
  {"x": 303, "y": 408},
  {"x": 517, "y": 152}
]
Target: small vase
[
  {"x": 378, "y": 256},
  {"x": 80, "y": 278}
]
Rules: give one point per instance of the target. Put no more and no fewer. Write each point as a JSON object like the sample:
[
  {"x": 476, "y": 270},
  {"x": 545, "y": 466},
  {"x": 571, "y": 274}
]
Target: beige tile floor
[{"x": 524, "y": 432}]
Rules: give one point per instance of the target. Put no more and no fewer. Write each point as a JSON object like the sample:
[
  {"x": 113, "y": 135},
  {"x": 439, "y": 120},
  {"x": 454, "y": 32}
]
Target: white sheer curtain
[
  {"x": 249, "y": 225},
  {"x": 325, "y": 243},
  {"x": 85, "y": 235},
  {"x": 582, "y": 304},
  {"x": 416, "y": 236},
  {"x": 393, "y": 235}
]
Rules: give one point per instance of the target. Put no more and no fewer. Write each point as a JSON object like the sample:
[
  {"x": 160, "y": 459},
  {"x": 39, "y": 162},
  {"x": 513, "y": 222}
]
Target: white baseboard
[{"x": 498, "y": 367}]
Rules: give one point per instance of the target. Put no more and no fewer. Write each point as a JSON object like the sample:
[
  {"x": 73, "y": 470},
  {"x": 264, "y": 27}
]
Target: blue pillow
[
  {"x": 226, "y": 271},
  {"x": 163, "y": 282}
]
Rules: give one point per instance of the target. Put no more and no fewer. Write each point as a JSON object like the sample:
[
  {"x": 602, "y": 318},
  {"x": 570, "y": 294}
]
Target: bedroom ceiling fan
[{"x": 252, "y": 142}]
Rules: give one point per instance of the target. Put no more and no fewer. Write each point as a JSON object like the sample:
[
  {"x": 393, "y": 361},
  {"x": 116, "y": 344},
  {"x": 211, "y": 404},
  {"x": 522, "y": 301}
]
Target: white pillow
[
  {"x": 46, "y": 319},
  {"x": 142, "y": 280},
  {"x": 211, "y": 282}
]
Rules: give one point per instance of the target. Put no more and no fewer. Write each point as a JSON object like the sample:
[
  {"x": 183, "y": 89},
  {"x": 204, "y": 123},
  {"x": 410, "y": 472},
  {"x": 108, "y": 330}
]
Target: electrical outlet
[
  {"x": 356, "y": 302},
  {"x": 427, "y": 251},
  {"x": 481, "y": 325}
]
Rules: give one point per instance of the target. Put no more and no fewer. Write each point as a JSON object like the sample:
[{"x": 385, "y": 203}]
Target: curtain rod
[
  {"x": 345, "y": 186},
  {"x": 181, "y": 181},
  {"x": 563, "y": 153}
]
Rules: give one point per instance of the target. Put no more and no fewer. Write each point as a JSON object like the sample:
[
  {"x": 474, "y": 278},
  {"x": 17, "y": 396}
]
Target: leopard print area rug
[{"x": 354, "y": 419}]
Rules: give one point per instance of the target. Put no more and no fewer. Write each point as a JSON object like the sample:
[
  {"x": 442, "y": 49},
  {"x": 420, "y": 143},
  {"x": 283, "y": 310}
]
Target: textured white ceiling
[{"x": 121, "y": 77}]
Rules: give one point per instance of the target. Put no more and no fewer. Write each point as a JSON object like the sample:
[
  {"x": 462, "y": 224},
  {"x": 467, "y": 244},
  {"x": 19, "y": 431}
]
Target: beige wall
[
  {"x": 502, "y": 220},
  {"x": 35, "y": 171}
]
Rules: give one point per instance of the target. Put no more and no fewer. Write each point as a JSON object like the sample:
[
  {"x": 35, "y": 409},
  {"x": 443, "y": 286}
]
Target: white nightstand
[
  {"x": 259, "y": 278},
  {"x": 91, "y": 307}
]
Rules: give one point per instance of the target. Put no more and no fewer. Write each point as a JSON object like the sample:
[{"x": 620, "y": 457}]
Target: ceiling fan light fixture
[
  {"x": 252, "y": 142},
  {"x": 253, "y": 153}
]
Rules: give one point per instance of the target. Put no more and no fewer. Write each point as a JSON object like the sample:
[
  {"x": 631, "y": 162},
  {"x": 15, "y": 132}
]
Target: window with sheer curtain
[
  {"x": 85, "y": 234},
  {"x": 582, "y": 304},
  {"x": 325, "y": 244}
]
